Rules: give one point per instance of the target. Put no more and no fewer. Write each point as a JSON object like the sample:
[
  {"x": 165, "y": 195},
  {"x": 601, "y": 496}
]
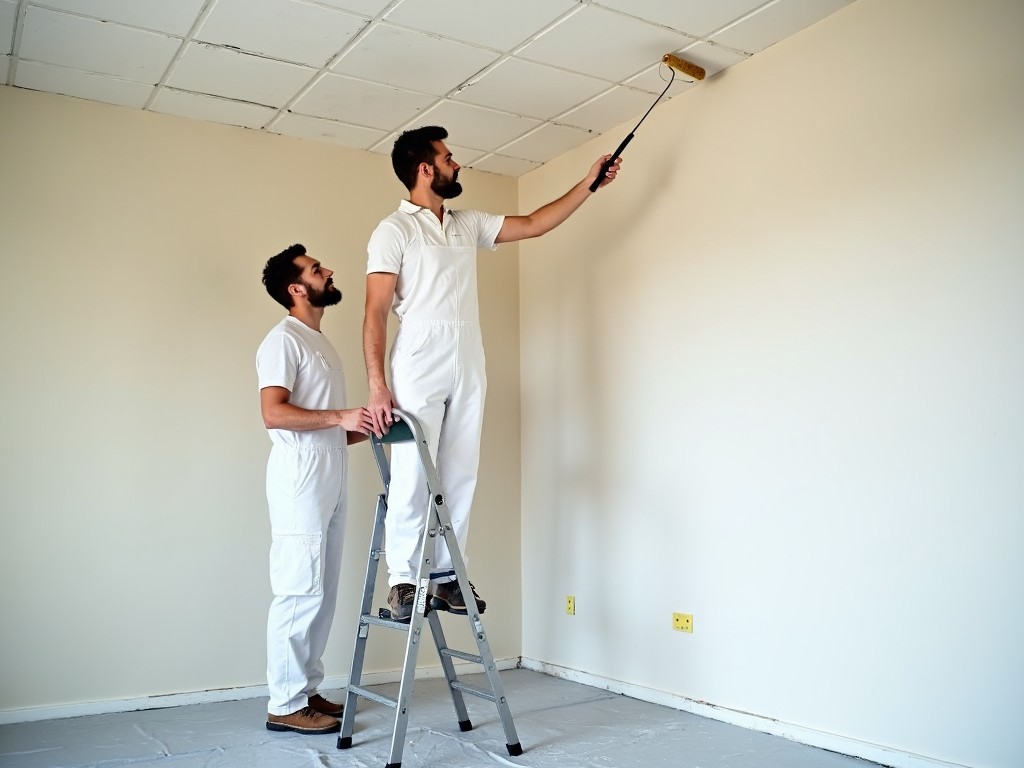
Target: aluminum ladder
[{"x": 405, "y": 429}]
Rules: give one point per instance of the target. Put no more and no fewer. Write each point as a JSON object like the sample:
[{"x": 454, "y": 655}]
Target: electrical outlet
[
  {"x": 570, "y": 605},
  {"x": 682, "y": 622}
]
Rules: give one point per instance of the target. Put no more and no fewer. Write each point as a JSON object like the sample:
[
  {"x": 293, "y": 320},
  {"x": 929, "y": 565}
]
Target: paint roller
[{"x": 674, "y": 64}]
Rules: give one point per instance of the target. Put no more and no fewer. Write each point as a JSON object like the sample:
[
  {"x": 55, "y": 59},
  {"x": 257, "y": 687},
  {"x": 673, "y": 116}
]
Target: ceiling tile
[
  {"x": 83, "y": 85},
  {"x": 72, "y": 41},
  {"x": 547, "y": 142},
  {"x": 775, "y": 22},
  {"x": 608, "y": 110},
  {"x": 305, "y": 127},
  {"x": 413, "y": 60},
  {"x": 175, "y": 17},
  {"x": 603, "y": 44},
  {"x": 281, "y": 29},
  {"x": 8, "y": 14},
  {"x": 365, "y": 7},
  {"x": 356, "y": 101},
  {"x": 694, "y": 18},
  {"x": 223, "y": 72},
  {"x": 492, "y": 23},
  {"x": 505, "y": 166},
  {"x": 478, "y": 127},
  {"x": 463, "y": 155},
  {"x": 211, "y": 108},
  {"x": 525, "y": 88}
]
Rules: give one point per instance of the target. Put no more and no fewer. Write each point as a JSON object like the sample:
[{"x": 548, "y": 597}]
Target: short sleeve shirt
[
  {"x": 397, "y": 244},
  {"x": 304, "y": 362}
]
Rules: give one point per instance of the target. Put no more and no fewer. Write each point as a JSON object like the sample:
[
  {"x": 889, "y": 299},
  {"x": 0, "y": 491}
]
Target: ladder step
[
  {"x": 478, "y": 692},
  {"x": 367, "y": 618},
  {"x": 461, "y": 655},
  {"x": 359, "y": 691}
]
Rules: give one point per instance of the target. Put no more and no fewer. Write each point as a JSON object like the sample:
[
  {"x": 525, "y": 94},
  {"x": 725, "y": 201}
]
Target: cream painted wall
[
  {"x": 772, "y": 377},
  {"x": 132, "y": 466}
]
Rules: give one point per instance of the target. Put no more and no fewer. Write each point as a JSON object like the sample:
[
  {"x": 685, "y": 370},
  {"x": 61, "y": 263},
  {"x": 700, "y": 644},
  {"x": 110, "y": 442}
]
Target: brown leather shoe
[
  {"x": 306, "y": 720},
  {"x": 325, "y": 707}
]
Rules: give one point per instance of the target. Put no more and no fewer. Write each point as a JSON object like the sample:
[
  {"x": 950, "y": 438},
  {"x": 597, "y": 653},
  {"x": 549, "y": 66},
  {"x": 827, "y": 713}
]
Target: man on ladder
[{"x": 422, "y": 265}]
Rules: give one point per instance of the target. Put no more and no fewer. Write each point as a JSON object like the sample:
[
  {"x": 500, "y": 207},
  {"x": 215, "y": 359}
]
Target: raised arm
[
  {"x": 380, "y": 293},
  {"x": 549, "y": 216}
]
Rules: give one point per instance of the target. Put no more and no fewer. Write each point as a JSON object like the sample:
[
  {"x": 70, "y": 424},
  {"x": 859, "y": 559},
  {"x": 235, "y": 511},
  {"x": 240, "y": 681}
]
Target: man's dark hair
[
  {"x": 415, "y": 147},
  {"x": 281, "y": 271}
]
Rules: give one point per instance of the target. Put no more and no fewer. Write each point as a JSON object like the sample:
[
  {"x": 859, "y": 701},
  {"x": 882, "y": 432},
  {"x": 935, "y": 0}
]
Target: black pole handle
[{"x": 609, "y": 162}]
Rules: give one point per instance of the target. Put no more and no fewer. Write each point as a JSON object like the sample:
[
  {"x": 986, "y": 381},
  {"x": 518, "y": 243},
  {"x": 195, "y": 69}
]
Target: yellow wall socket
[
  {"x": 570, "y": 605},
  {"x": 682, "y": 622}
]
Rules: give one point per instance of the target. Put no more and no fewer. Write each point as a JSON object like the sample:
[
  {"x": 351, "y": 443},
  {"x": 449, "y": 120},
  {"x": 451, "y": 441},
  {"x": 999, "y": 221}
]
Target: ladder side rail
[
  {"x": 483, "y": 646},
  {"x": 421, "y": 606},
  {"x": 444, "y": 653},
  {"x": 359, "y": 651}
]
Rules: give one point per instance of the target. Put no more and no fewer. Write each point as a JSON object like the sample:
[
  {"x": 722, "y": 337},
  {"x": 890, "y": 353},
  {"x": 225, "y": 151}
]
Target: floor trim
[
  {"x": 842, "y": 744},
  {"x": 78, "y": 709}
]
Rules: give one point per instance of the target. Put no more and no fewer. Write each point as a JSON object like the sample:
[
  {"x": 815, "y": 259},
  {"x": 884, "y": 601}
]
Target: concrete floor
[{"x": 561, "y": 724}]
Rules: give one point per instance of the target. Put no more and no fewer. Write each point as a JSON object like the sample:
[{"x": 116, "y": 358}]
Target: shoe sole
[
  {"x": 389, "y": 615},
  {"x": 439, "y": 604},
  {"x": 307, "y": 731}
]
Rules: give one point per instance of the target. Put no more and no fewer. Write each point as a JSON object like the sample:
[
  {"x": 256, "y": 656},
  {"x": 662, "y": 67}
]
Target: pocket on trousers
[{"x": 295, "y": 564}]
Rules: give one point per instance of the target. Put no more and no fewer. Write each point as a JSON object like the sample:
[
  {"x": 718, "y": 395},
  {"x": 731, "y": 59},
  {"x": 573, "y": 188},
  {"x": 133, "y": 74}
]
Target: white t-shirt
[
  {"x": 412, "y": 244},
  {"x": 304, "y": 362}
]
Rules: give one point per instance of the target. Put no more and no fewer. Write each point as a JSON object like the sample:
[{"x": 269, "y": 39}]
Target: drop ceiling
[{"x": 516, "y": 82}]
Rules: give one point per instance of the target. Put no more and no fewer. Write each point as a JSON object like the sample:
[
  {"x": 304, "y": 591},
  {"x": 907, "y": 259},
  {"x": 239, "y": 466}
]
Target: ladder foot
[
  {"x": 393, "y": 765},
  {"x": 514, "y": 750},
  {"x": 344, "y": 742},
  {"x": 465, "y": 725}
]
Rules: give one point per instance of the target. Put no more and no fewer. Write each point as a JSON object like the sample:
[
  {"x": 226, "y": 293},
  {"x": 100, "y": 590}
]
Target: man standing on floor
[
  {"x": 422, "y": 265},
  {"x": 302, "y": 399}
]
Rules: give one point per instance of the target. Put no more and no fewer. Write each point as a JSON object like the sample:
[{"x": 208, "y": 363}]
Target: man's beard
[
  {"x": 329, "y": 296},
  {"x": 444, "y": 188}
]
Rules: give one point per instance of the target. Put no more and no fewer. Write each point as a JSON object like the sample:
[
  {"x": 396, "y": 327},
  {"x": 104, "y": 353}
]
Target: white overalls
[
  {"x": 306, "y": 486},
  {"x": 437, "y": 368}
]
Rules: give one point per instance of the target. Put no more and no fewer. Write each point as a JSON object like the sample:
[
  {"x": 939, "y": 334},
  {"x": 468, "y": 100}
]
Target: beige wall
[
  {"x": 772, "y": 377},
  {"x": 131, "y": 477}
]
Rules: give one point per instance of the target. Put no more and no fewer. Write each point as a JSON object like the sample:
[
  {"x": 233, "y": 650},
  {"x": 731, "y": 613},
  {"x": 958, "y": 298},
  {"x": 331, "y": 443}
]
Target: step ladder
[{"x": 405, "y": 429}]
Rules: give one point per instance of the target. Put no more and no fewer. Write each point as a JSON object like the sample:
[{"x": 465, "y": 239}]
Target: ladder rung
[
  {"x": 473, "y": 691},
  {"x": 368, "y": 619},
  {"x": 358, "y": 691},
  {"x": 462, "y": 655}
]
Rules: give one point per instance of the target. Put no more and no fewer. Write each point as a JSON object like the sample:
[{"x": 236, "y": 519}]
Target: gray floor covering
[{"x": 561, "y": 724}]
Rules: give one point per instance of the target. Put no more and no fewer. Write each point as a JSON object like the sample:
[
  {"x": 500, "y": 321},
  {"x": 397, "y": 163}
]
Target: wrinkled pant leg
[
  {"x": 305, "y": 492},
  {"x": 458, "y": 454}
]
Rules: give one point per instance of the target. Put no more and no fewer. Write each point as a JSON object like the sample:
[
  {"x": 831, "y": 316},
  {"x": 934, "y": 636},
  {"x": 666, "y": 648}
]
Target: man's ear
[
  {"x": 426, "y": 169},
  {"x": 297, "y": 289}
]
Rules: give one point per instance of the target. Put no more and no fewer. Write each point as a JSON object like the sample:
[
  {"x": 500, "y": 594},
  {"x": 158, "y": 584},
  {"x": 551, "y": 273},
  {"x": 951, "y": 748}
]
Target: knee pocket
[{"x": 296, "y": 564}]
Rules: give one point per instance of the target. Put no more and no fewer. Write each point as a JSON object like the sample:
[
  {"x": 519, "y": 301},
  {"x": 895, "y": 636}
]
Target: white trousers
[
  {"x": 306, "y": 496},
  {"x": 437, "y": 375}
]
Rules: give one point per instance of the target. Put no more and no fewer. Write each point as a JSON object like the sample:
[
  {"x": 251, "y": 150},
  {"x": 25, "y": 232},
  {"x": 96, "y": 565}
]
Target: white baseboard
[
  {"x": 77, "y": 709},
  {"x": 842, "y": 744}
]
